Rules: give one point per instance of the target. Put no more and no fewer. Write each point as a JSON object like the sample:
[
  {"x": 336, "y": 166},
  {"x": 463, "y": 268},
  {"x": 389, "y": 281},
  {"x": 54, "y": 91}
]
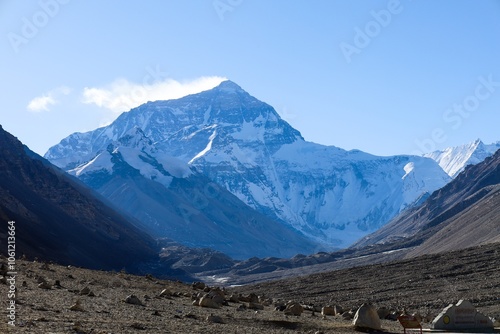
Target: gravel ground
[{"x": 423, "y": 285}]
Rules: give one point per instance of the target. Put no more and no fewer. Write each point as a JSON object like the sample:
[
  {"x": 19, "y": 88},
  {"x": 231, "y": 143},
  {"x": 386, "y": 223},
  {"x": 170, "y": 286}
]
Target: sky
[{"x": 385, "y": 77}]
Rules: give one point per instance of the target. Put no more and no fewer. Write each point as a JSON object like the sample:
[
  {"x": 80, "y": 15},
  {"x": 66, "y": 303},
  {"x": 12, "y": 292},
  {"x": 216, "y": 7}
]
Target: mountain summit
[
  {"x": 454, "y": 159},
  {"x": 331, "y": 195}
]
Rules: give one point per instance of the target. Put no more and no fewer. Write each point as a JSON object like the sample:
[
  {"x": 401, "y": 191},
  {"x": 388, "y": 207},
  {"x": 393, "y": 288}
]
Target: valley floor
[{"x": 424, "y": 285}]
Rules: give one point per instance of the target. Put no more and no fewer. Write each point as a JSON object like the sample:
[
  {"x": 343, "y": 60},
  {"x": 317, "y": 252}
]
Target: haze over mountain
[
  {"x": 464, "y": 213},
  {"x": 57, "y": 218},
  {"x": 330, "y": 195}
]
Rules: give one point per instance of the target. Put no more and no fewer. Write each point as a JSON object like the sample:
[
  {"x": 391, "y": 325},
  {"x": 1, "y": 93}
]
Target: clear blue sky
[{"x": 386, "y": 77}]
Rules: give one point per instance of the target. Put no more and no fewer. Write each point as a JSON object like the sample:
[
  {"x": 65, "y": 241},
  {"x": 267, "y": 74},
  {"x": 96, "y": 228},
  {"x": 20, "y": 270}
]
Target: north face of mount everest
[{"x": 211, "y": 157}]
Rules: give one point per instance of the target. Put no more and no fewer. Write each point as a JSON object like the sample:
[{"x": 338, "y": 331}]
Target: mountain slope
[
  {"x": 464, "y": 213},
  {"x": 58, "y": 219},
  {"x": 172, "y": 200},
  {"x": 331, "y": 195},
  {"x": 453, "y": 160}
]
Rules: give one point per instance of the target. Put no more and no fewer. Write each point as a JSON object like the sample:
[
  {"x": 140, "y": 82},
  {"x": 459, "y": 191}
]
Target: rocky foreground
[{"x": 59, "y": 299}]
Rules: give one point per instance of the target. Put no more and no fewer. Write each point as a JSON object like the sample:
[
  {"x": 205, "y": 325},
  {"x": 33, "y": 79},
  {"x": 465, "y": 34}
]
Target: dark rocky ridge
[{"x": 58, "y": 219}]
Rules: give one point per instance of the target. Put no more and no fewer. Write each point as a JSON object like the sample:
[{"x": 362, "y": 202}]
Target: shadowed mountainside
[{"x": 58, "y": 219}]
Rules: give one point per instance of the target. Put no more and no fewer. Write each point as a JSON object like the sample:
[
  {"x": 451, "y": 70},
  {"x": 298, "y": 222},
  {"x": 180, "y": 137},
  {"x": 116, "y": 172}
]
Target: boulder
[
  {"x": 133, "y": 299},
  {"x": 294, "y": 309},
  {"x": 328, "y": 310},
  {"x": 206, "y": 301},
  {"x": 366, "y": 317}
]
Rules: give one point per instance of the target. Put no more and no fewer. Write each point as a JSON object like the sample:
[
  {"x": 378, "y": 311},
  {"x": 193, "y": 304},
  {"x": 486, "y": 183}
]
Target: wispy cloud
[
  {"x": 122, "y": 95},
  {"x": 45, "y": 101}
]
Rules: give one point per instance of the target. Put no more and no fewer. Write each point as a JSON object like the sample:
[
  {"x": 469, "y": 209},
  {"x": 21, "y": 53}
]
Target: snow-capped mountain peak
[
  {"x": 229, "y": 86},
  {"x": 331, "y": 195},
  {"x": 453, "y": 160}
]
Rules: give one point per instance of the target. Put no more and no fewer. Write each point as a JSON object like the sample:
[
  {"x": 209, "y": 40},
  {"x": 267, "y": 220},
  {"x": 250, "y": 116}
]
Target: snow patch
[{"x": 206, "y": 149}]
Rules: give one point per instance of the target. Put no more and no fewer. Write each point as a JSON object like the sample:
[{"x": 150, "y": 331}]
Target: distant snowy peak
[{"x": 453, "y": 160}]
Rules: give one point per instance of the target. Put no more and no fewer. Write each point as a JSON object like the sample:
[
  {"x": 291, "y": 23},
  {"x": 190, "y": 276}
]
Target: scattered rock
[
  {"x": 234, "y": 299},
  {"x": 198, "y": 285},
  {"x": 85, "y": 291},
  {"x": 77, "y": 306},
  {"x": 191, "y": 316},
  {"x": 214, "y": 319},
  {"x": 45, "y": 285},
  {"x": 132, "y": 299},
  {"x": 367, "y": 318},
  {"x": 139, "y": 326},
  {"x": 165, "y": 293}
]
